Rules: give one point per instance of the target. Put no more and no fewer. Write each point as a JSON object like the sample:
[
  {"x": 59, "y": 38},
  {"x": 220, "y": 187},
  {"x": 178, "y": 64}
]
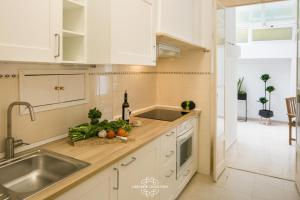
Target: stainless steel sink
[{"x": 30, "y": 173}]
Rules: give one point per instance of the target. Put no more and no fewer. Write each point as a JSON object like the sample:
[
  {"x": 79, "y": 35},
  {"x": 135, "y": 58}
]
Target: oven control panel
[{"x": 185, "y": 126}]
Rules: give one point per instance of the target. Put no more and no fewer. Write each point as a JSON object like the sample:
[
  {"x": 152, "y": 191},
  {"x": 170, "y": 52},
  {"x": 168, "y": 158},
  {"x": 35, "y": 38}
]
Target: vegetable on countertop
[
  {"x": 88, "y": 130},
  {"x": 94, "y": 115},
  {"x": 115, "y": 125},
  {"x": 83, "y": 132}
]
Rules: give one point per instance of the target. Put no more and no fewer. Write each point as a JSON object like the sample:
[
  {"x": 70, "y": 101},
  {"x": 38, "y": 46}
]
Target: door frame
[{"x": 215, "y": 172}]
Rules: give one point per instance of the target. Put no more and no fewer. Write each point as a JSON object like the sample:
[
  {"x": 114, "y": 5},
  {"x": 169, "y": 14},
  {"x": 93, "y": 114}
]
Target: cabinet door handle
[
  {"x": 170, "y": 154},
  {"x": 57, "y": 37},
  {"x": 170, "y": 174},
  {"x": 170, "y": 134},
  {"x": 187, "y": 173},
  {"x": 118, "y": 182},
  {"x": 56, "y": 88},
  {"x": 61, "y": 88},
  {"x": 129, "y": 162}
]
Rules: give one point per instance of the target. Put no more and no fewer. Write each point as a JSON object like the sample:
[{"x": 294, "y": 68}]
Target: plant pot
[
  {"x": 266, "y": 113},
  {"x": 242, "y": 96}
]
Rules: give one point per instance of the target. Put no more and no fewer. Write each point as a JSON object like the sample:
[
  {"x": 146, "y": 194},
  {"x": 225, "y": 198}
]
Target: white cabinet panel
[
  {"x": 136, "y": 168},
  {"x": 52, "y": 89},
  {"x": 168, "y": 165},
  {"x": 177, "y": 18},
  {"x": 28, "y": 30},
  {"x": 133, "y": 32},
  {"x": 98, "y": 187},
  {"x": 168, "y": 178},
  {"x": 189, "y": 21},
  {"x": 39, "y": 90},
  {"x": 121, "y": 32},
  {"x": 72, "y": 87}
]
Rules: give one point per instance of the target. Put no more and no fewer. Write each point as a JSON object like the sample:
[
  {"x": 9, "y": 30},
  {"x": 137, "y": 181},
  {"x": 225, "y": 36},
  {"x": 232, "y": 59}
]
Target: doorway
[{"x": 259, "y": 40}]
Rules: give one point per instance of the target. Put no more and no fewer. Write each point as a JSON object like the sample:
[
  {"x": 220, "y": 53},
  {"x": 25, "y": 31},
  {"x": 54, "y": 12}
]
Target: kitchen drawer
[
  {"x": 168, "y": 178},
  {"x": 168, "y": 144},
  {"x": 168, "y": 166},
  {"x": 186, "y": 176},
  {"x": 185, "y": 126},
  {"x": 168, "y": 155}
]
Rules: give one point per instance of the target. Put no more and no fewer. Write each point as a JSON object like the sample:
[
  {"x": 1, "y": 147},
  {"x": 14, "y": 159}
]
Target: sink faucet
[{"x": 10, "y": 142}]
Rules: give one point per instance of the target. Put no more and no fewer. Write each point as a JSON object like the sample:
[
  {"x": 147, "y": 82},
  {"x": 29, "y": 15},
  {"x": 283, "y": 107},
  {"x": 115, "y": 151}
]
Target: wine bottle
[{"x": 125, "y": 108}]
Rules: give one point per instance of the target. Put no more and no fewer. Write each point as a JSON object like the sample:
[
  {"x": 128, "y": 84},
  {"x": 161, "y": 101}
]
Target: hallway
[
  {"x": 263, "y": 149},
  {"x": 239, "y": 185}
]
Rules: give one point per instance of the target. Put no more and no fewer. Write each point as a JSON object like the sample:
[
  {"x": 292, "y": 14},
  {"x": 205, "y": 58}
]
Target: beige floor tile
[
  {"x": 263, "y": 149},
  {"x": 228, "y": 195},
  {"x": 239, "y": 185}
]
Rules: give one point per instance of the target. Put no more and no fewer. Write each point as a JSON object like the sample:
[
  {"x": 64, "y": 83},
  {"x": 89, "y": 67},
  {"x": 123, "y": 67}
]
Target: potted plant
[
  {"x": 266, "y": 112},
  {"x": 242, "y": 95}
]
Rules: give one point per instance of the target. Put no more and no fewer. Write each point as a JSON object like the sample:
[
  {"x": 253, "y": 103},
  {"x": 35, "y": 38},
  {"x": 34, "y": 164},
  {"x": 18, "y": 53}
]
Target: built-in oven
[{"x": 184, "y": 147}]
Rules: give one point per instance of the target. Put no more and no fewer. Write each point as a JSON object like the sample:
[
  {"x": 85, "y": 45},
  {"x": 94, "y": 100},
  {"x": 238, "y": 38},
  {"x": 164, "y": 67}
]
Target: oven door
[{"x": 184, "y": 150}]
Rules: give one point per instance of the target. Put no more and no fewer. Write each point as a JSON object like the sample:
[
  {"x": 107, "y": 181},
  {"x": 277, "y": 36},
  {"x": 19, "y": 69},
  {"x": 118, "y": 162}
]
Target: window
[
  {"x": 267, "y": 13},
  {"x": 272, "y": 34}
]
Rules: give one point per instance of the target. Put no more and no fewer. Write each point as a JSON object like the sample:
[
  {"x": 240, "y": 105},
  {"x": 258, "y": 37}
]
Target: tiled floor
[
  {"x": 239, "y": 185},
  {"x": 263, "y": 149}
]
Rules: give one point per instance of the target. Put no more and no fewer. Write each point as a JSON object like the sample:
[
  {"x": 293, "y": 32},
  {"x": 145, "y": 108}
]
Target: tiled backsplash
[
  {"x": 173, "y": 81},
  {"x": 106, "y": 93}
]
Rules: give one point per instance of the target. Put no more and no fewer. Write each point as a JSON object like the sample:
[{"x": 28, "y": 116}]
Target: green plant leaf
[
  {"x": 270, "y": 88},
  {"x": 263, "y": 100},
  {"x": 240, "y": 86},
  {"x": 265, "y": 77}
]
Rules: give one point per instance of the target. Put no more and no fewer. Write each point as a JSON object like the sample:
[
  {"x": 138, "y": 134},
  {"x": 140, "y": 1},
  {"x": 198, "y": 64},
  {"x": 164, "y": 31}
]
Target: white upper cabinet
[
  {"x": 185, "y": 21},
  {"x": 176, "y": 18},
  {"x": 121, "y": 32},
  {"x": 29, "y": 30},
  {"x": 206, "y": 22}
]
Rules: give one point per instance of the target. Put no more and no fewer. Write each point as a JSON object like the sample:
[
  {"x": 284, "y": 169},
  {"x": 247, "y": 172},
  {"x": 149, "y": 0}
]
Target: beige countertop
[{"x": 102, "y": 156}]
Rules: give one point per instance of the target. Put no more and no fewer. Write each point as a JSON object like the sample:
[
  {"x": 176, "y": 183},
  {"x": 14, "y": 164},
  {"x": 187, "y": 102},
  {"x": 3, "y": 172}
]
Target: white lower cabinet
[
  {"x": 137, "y": 170},
  {"x": 101, "y": 186},
  {"x": 168, "y": 165},
  {"x": 133, "y": 177}
]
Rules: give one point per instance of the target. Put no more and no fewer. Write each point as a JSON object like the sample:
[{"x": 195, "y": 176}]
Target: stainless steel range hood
[{"x": 167, "y": 51}]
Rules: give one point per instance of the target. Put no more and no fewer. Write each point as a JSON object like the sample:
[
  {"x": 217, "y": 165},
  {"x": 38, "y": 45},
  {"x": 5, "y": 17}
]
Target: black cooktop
[{"x": 162, "y": 114}]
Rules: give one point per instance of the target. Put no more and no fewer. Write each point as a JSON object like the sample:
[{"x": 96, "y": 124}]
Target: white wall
[
  {"x": 273, "y": 50},
  {"x": 280, "y": 72}
]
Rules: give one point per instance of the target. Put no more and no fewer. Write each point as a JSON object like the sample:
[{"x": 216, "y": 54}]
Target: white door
[
  {"x": 133, "y": 32},
  {"x": 138, "y": 170},
  {"x": 39, "y": 89},
  {"x": 72, "y": 87},
  {"x": 297, "y": 176},
  {"x": 28, "y": 30},
  {"x": 177, "y": 18},
  {"x": 219, "y": 156}
]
